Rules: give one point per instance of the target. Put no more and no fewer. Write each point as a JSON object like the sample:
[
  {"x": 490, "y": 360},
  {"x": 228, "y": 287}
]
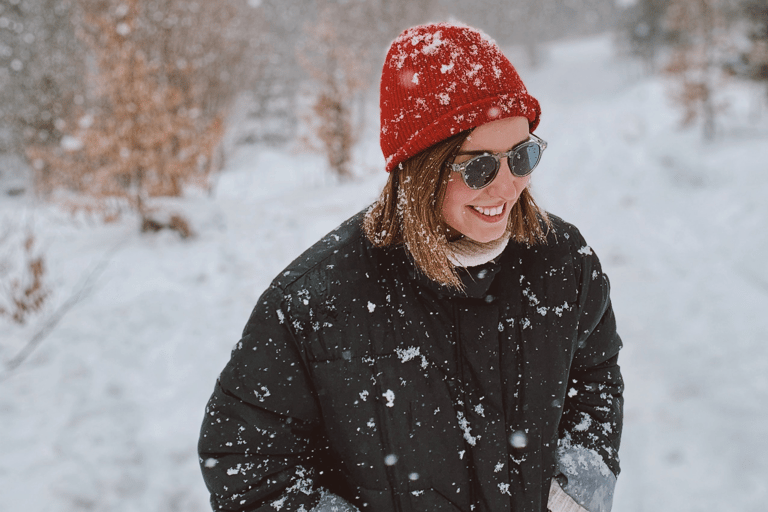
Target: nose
[{"x": 506, "y": 185}]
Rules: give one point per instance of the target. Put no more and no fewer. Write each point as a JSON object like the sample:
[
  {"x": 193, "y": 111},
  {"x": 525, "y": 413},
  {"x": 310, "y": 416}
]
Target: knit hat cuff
[{"x": 467, "y": 116}]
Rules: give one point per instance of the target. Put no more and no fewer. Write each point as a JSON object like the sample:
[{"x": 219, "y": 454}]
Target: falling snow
[
  {"x": 665, "y": 251},
  {"x": 518, "y": 439}
]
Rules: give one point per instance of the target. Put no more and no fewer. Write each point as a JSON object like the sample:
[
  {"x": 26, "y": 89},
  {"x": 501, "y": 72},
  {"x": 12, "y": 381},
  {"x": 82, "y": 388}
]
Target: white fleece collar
[{"x": 465, "y": 252}]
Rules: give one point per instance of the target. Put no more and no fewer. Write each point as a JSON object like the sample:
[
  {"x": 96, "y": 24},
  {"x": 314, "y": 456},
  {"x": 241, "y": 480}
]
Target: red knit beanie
[{"x": 441, "y": 79}]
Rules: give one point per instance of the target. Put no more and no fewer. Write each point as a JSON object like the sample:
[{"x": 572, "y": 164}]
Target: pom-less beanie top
[{"x": 441, "y": 79}]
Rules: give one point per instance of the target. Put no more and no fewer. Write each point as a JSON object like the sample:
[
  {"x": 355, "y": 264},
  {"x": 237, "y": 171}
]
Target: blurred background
[{"x": 162, "y": 160}]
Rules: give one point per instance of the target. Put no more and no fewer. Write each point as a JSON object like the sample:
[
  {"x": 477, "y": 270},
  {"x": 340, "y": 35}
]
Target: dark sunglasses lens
[
  {"x": 480, "y": 171},
  {"x": 522, "y": 161}
]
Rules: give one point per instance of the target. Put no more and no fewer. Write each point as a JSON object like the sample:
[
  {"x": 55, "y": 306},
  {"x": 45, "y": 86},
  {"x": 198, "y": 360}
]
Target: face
[{"x": 482, "y": 215}]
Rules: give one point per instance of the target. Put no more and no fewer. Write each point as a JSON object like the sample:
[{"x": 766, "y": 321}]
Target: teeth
[{"x": 490, "y": 212}]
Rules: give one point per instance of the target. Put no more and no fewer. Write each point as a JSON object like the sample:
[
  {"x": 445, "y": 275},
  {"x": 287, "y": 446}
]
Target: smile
[{"x": 489, "y": 212}]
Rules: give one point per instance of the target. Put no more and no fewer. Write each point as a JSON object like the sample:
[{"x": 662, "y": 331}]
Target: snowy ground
[{"x": 104, "y": 415}]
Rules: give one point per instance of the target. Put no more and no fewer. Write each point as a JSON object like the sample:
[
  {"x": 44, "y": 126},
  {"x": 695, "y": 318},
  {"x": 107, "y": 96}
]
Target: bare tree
[
  {"x": 342, "y": 45},
  {"x": 144, "y": 133},
  {"x": 337, "y": 68},
  {"x": 22, "y": 276},
  {"x": 645, "y": 30},
  {"x": 211, "y": 51},
  {"x": 155, "y": 100},
  {"x": 756, "y": 57},
  {"x": 698, "y": 60}
]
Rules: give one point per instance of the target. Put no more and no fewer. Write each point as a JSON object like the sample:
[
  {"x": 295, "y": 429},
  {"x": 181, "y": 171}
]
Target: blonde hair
[{"x": 409, "y": 212}]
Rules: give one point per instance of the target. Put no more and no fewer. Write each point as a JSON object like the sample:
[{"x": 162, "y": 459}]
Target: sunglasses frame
[{"x": 532, "y": 139}]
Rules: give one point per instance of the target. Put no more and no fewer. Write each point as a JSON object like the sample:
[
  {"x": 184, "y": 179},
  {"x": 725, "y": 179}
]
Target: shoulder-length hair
[{"x": 409, "y": 212}]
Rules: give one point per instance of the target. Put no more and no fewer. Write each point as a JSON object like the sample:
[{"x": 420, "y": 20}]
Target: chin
[{"x": 487, "y": 236}]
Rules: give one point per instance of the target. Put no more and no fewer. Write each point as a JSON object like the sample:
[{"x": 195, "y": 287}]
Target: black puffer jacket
[{"x": 358, "y": 374}]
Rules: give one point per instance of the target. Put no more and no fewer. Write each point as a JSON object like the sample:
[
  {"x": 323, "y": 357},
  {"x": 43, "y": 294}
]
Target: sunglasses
[{"x": 479, "y": 171}]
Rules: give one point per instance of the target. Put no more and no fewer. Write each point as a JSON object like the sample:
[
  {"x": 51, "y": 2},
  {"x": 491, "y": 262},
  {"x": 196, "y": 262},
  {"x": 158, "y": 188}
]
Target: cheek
[{"x": 457, "y": 196}]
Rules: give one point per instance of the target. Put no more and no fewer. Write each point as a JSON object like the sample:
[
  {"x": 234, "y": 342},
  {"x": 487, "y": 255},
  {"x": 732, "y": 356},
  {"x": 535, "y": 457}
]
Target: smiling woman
[
  {"x": 452, "y": 348},
  {"x": 482, "y": 213},
  {"x": 479, "y": 204}
]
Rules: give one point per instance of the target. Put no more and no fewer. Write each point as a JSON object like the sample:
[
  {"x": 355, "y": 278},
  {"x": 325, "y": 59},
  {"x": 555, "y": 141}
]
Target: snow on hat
[{"x": 441, "y": 79}]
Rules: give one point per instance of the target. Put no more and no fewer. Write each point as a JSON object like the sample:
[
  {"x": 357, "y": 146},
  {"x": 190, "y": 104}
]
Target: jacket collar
[{"x": 476, "y": 279}]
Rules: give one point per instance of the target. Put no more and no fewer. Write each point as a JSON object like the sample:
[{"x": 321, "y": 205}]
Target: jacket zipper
[{"x": 459, "y": 396}]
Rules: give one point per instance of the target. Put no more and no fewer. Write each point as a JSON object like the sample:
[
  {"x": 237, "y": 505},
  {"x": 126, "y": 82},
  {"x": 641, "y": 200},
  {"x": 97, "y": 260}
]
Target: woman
[{"x": 452, "y": 348}]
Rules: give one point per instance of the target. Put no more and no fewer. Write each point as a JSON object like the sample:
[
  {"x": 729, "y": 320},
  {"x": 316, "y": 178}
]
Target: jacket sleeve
[
  {"x": 590, "y": 428},
  {"x": 258, "y": 443},
  {"x": 330, "y": 502}
]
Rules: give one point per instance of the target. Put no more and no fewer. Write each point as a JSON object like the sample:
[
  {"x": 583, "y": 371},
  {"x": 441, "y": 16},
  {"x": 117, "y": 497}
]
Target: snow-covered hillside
[{"x": 104, "y": 415}]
